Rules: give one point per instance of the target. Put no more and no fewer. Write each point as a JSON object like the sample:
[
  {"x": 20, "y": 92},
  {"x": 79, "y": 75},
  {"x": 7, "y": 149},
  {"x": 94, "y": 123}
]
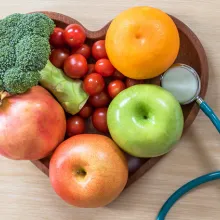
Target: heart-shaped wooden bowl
[{"x": 191, "y": 53}]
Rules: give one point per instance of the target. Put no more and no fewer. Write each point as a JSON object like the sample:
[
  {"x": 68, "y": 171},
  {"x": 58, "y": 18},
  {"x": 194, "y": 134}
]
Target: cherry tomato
[
  {"x": 74, "y": 35},
  {"x": 100, "y": 100},
  {"x": 104, "y": 67},
  {"x": 93, "y": 84},
  {"x": 115, "y": 87},
  {"x": 99, "y": 119},
  {"x": 86, "y": 111},
  {"x": 118, "y": 75},
  {"x": 131, "y": 82},
  {"x": 75, "y": 125},
  {"x": 83, "y": 50},
  {"x": 58, "y": 56},
  {"x": 75, "y": 66},
  {"x": 91, "y": 68},
  {"x": 98, "y": 50},
  {"x": 57, "y": 38}
]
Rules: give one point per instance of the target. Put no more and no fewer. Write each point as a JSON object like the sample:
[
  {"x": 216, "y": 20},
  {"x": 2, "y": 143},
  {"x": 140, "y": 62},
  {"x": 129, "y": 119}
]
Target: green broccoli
[
  {"x": 1, "y": 85},
  {"x": 24, "y": 50},
  {"x": 32, "y": 53},
  {"x": 17, "y": 81}
]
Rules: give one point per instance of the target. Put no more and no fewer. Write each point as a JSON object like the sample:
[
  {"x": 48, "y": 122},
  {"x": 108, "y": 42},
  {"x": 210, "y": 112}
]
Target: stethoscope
[{"x": 184, "y": 83}]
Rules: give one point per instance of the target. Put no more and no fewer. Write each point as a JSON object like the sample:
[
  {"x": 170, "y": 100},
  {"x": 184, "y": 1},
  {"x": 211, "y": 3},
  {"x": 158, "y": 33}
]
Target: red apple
[
  {"x": 31, "y": 125},
  {"x": 88, "y": 170}
]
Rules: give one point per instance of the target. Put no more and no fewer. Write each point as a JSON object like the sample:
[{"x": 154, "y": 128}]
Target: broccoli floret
[
  {"x": 7, "y": 58},
  {"x": 1, "y": 85},
  {"x": 8, "y": 28},
  {"x": 29, "y": 25},
  {"x": 32, "y": 53},
  {"x": 24, "y": 50},
  {"x": 16, "y": 81}
]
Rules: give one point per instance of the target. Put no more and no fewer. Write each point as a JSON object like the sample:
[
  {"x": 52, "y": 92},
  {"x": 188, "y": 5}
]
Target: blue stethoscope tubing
[
  {"x": 209, "y": 112},
  {"x": 185, "y": 189}
]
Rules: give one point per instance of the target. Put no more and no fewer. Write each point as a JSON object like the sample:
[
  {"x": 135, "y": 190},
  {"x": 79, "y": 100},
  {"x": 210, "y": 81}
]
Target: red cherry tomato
[
  {"x": 74, "y": 35},
  {"x": 58, "y": 56},
  {"x": 131, "y": 82},
  {"x": 91, "y": 68},
  {"x": 75, "y": 66},
  {"x": 100, "y": 100},
  {"x": 57, "y": 38},
  {"x": 104, "y": 67},
  {"x": 99, "y": 119},
  {"x": 118, "y": 75},
  {"x": 86, "y": 111},
  {"x": 83, "y": 50},
  {"x": 75, "y": 125},
  {"x": 93, "y": 84},
  {"x": 98, "y": 50},
  {"x": 115, "y": 87}
]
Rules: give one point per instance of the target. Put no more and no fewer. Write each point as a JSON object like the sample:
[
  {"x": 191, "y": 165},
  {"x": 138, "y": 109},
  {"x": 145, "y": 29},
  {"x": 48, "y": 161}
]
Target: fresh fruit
[
  {"x": 83, "y": 50},
  {"x": 99, "y": 119},
  {"x": 98, "y": 50},
  {"x": 100, "y": 100},
  {"x": 118, "y": 75},
  {"x": 88, "y": 170},
  {"x": 142, "y": 42},
  {"x": 31, "y": 125},
  {"x": 86, "y": 111},
  {"x": 145, "y": 120},
  {"x": 131, "y": 82},
  {"x": 93, "y": 84},
  {"x": 57, "y": 38},
  {"x": 115, "y": 87},
  {"x": 75, "y": 66},
  {"x": 75, "y": 125},
  {"x": 75, "y": 35},
  {"x": 58, "y": 56},
  {"x": 104, "y": 67}
]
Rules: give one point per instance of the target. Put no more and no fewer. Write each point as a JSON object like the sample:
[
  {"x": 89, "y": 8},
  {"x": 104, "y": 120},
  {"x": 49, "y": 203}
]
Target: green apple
[{"x": 145, "y": 120}]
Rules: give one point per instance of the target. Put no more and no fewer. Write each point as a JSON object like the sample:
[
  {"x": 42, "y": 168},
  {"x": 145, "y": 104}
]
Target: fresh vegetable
[
  {"x": 74, "y": 35},
  {"x": 99, "y": 119},
  {"x": 100, "y": 100},
  {"x": 115, "y": 87},
  {"x": 118, "y": 75},
  {"x": 75, "y": 125},
  {"x": 86, "y": 111},
  {"x": 83, "y": 50},
  {"x": 69, "y": 92},
  {"x": 104, "y": 67},
  {"x": 98, "y": 50},
  {"x": 93, "y": 84},
  {"x": 131, "y": 82},
  {"x": 75, "y": 66},
  {"x": 24, "y": 50},
  {"x": 91, "y": 68},
  {"x": 57, "y": 38},
  {"x": 58, "y": 56}
]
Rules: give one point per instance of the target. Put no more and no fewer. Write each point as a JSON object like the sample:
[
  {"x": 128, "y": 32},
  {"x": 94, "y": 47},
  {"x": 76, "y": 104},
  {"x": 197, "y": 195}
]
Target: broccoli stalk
[{"x": 69, "y": 92}]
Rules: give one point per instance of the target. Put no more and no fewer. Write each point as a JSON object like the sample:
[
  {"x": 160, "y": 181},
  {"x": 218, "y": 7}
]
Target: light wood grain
[{"x": 25, "y": 193}]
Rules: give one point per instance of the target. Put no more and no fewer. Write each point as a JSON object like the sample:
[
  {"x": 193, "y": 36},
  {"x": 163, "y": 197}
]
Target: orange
[{"x": 142, "y": 42}]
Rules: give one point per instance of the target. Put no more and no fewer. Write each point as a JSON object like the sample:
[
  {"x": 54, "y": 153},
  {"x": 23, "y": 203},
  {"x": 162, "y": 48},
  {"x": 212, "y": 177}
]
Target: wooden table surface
[{"x": 25, "y": 193}]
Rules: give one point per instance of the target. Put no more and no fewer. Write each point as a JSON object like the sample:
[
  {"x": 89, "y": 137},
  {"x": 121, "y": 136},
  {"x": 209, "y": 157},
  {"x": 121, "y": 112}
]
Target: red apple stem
[{"x": 3, "y": 95}]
